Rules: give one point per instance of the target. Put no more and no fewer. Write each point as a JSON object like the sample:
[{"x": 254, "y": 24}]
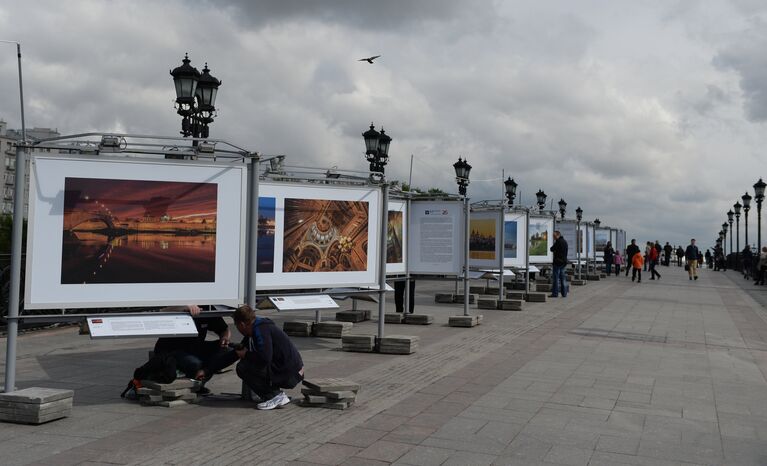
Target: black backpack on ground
[{"x": 160, "y": 368}]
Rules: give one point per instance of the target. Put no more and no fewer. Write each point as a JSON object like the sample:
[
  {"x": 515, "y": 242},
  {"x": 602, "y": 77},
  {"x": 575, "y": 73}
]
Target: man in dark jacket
[
  {"x": 607, "y": 254},
  {"x": 631, "y": 249},
  {"x": 691, "y": 255},
  {"x": 560, "y": 262},
  {"x": 268, "y": 359},
  {"x": 667, "y": 250}
]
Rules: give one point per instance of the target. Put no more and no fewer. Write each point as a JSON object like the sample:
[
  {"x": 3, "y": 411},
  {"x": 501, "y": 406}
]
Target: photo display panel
[
  {"x": 514, "y": 243},
  {"x": 589, "y": 231},
  {"x": 114, "y": 232},
  {"x": 602, "y": 236},
  {"x": 317, "y": 236},
  {"x": 541, "y": 239},
  {"x": 396, "y": 238},
  {"x": 485, "y": 239},
  {"x": 569, "y": 233},
  {"x": 435, "y": 245}
]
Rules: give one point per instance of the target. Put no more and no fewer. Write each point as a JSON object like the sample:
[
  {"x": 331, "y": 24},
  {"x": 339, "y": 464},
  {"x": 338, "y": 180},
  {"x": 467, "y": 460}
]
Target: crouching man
[{"x": 269, "y": 361}]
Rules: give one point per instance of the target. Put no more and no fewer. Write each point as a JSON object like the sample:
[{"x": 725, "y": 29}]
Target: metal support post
[
  {"x": 466, "y": 256},
  {"x": 15, "y": 291},
  {"x": 737, "y": 244},
  {"x": 382, "y": 258},
  {"x": 16, "y": 240},
  {"x": 527, "y": 251},
  {"x": 252, "y": 236},
  {"x": 578, "y": 245},
  {"x": 406, "y": 222}
]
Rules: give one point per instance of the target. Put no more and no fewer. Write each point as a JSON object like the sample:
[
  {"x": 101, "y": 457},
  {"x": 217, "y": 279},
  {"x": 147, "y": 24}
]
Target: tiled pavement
[{"x": 666, "y": 372}]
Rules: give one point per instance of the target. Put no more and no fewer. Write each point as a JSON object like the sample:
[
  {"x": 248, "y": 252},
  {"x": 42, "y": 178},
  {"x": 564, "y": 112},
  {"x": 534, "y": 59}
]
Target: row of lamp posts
[{"x": 721, "y": 241}]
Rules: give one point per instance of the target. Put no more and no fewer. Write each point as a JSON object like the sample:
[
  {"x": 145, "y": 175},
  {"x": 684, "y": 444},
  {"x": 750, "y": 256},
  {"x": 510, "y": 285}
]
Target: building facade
[{"x": 8, "y": 140}]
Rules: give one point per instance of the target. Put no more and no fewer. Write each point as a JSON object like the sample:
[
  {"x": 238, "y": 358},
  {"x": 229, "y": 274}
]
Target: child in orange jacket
[{"x": 636, "y": 263}]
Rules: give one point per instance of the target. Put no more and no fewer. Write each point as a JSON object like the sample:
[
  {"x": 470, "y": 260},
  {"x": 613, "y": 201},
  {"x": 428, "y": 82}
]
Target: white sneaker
[{"x": 280, "y": 400}]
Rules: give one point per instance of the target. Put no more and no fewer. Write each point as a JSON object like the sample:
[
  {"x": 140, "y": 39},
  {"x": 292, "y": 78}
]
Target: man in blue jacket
[{"x": 269, "y": 361}]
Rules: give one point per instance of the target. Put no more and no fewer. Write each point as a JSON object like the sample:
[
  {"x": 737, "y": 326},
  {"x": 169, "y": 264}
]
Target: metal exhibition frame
[
  {"x": 163, "y": 147},
  {"x": 444, "y": 197}
]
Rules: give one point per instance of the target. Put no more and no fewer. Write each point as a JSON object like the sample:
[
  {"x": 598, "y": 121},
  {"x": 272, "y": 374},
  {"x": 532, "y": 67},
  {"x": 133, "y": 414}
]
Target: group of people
[
  {"x": 635, "y": 261},
  {"x": 267, "y": 361}
]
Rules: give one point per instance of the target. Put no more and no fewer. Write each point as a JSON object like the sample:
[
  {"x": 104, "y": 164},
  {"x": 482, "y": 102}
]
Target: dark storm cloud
[{"x": 368, "y": 15}]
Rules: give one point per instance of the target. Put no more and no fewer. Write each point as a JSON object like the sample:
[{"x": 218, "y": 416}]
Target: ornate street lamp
[
  {"x": 376, "y": 149},
  {"x": 724, "y": 242},
  {"x": 562, "y": 208},
  {"x": 759, "y": 197},
  {"x": 597, "y": 222},
  {"x": 737, "y": 208},
  {"x": 195, "y": 98},
  {"x": 462, "y": 170},
  {"x": 511, "y": 190},
  {"x": 746, "y": 207},
  {"x": 730, "y": 215},
  {"x": 579, "y": 240},
  {"x": 541, "y": 196}
]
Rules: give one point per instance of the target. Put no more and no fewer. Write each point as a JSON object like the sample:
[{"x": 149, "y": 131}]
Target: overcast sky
[{"x": 648, "y": 114}]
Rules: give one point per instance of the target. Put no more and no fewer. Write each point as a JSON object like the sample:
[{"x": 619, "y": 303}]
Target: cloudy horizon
[{"x": 649, "y": 115}]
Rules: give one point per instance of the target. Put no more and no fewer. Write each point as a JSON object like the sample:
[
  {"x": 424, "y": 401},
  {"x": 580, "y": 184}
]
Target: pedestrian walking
[
  {"x": 679, "y": 256},
  {"x": 762, "y": 267},
  {"x": 647, "y": 248},
  {"x": 667, "y": 250},
  {"x": 748, "y": 258},
  {"x": 636, "y": 266},
  {"x": 608, "y": 258},
  {"x": 559, "y": 282},
  {"x": 654, "y": 256},
  {"x": 618, "y": 260},
  {"x": 631, "y": 249},
  {"x": 691, "y": 256}
]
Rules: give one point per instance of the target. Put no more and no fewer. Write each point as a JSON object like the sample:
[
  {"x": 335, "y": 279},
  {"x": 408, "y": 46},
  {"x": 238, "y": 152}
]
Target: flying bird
[{"x": 369, "y": 59}]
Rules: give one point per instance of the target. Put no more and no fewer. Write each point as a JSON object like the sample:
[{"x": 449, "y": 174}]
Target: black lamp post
[
  {"x": 730, "y": 215},
  {"x": 511, "y": 190},
  {"x": 737, "y": 208},
  {"x": 562, "y": 208},
  {"x": 376, "y": 149},
  {"x": 195, "y": 98},
  {"x": 541, "y": 196},
  {"x": 579, "y": 240},
  {"x": 462, "y": 170},
  {"x": 746, "y": 207},
  {"x": 724, "y": 242},
  {"x": 597, "y": 222},
  {"x": 759, "y": 197}
]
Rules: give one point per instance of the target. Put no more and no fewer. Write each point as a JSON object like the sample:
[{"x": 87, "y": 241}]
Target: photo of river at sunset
[{"x": 134, "y": 231}]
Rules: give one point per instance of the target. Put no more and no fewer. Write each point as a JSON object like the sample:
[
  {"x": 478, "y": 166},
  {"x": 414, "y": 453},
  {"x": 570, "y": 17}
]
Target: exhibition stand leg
[
  {"x": 252, "y": 237},
  {"x": 16, "y": 239},
  {"x": 527, "y": 251},
  {"x": 501, "y": 239},
  {"x": 382, "y": 258},
  {"x": 466, "y": 256}
]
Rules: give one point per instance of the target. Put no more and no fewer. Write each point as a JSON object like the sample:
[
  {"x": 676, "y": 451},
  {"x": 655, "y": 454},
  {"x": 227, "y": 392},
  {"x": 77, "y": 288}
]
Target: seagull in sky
[{"x": 369, "y": 59}]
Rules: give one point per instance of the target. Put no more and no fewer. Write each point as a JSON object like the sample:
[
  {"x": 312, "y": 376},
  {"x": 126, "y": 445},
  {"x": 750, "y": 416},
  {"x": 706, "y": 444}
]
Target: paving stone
[
  {"x": 384, "y": 450},
  {"x": 354, "y": 316},
  {"x": 459, "y": 298},
  {"x": 444, "y": 298},
  {"x": 536, "y": 297},
  {"x": 331, "y": 384},
  {"x": 332, "y": 329},
  {"x": 485, "y": 303},
  {"x": 516, "y": 295},
  {"x": 36, "y": 395},
  {"x": 358, "y": 343},
  {"x": 298, "y": 328},
  {"x": 510, "y": 305},
  {"x": 419, "y": 319},
  {"x": 464, "y": 321},
  {"x": 393, "y": 318}
]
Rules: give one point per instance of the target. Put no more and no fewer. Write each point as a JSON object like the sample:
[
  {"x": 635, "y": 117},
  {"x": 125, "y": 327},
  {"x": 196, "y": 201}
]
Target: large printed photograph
[
  {"x": 394, "y": 237},
  {"x": 482, "y": 238},
  {"x": 539, "y": 238},
  {"x": 266, "y": 231},
  {"x": 136, "y": 231},
  {"x": 510, "y": 239},
  {"x": 325, "y": 236},
  {"x": 118, "y": 232}
]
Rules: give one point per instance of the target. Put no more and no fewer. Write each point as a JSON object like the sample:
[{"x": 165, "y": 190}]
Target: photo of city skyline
[
  {"x": 482, "y": 238},
  {"x": 136, "y": 231}
]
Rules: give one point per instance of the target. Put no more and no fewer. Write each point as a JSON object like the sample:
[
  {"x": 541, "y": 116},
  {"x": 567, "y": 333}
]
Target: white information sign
[
  {"x": 435, "y": 242},
  {"x": 178, "y": 325},
  {"x": 297, "y": 303}
]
